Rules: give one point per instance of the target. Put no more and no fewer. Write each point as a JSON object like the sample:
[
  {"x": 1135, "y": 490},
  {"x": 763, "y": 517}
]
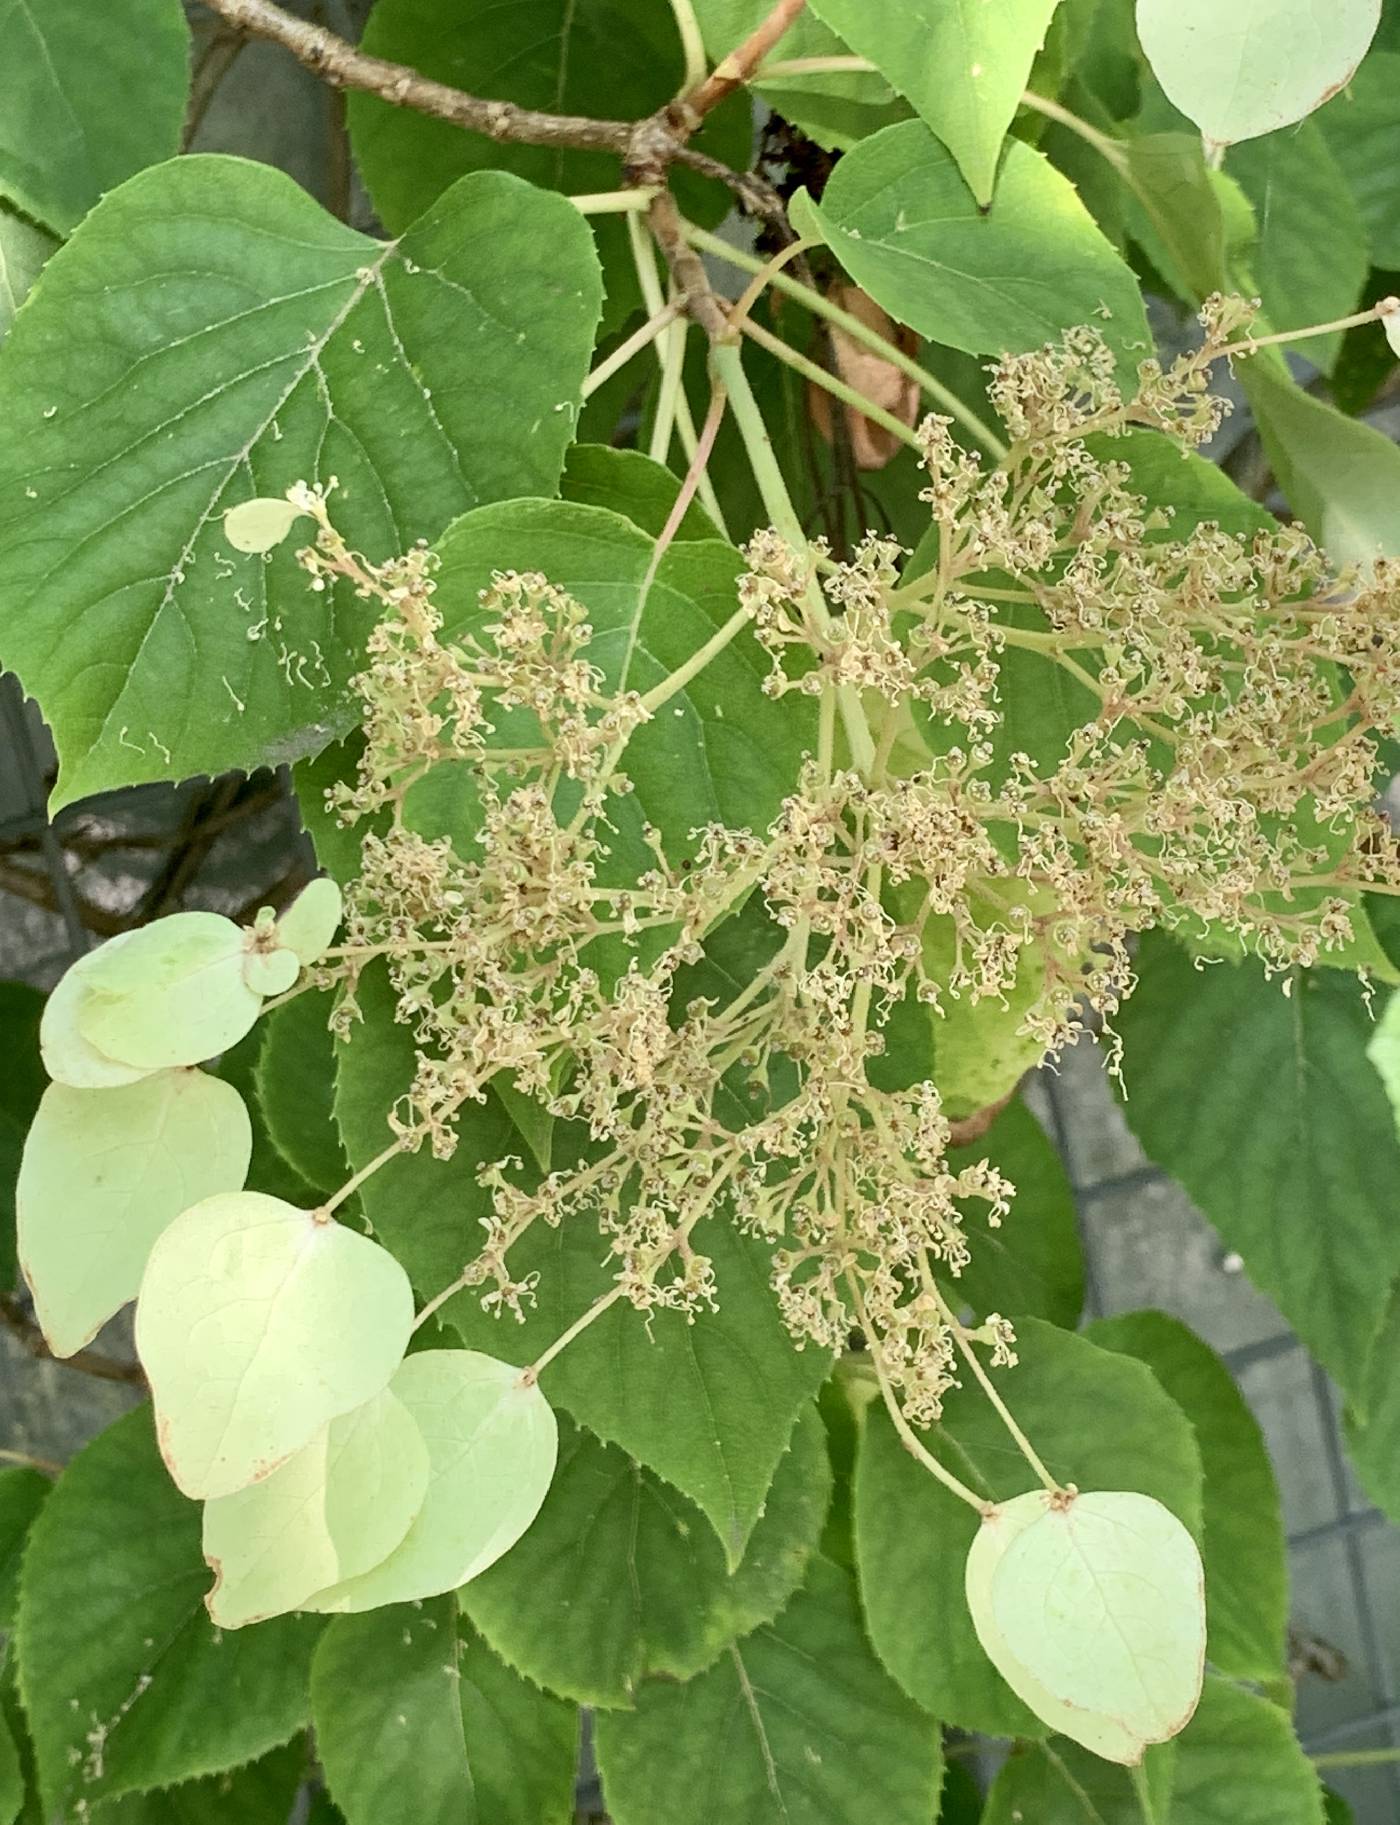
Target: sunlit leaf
[
  {"x": 1106, "y": 1736},
  {"x": 171, "y": 993},
  {"x": 310, "y": 922},
  {"x": 260, "y": 524},
  {"x": 492, "y": 1443},
  {"x": 256, "y": 1324},
  {"x": 336, "y": 1508},
  {"x": 104, "y": 1173},
  {"x": 1101, "y": 1601},
  {"x": 270, "y": 972},
  {"x": 1247, "y": 68},
  {"x": 69, "y": 1057}
]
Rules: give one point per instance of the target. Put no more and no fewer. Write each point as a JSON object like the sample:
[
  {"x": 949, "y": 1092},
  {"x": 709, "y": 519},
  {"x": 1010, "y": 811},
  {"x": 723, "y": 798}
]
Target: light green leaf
[
  {"x": 263, "y": 1793},
  {"x": 1372, "y": 1423},
  {"x": 1243, "y": 1544},
  {"x": 260, "y": 524},
  {"x": 609, "y": 1525},
  {"x": 1286, "y": 1143},
  {"x": 633, "y": 485},
  {"x": 1104, "y": 1735},
  {"x": 797, "y": 1724},
  {"x": 1102, "y": 1602},
  {"x": 1359, "y": 127},
  {"x": 312, "y": 920},
  {"x": 962, "y": 64},
  {"x": 336, "y": 1508},
  {"x": 492, "y": 1443},
  {"x": 270, "y": 972},
  {"x": 835, "y": 108},
  {"x": 294, "y": 1086},
  {"x": 709, "y": 1407},
  {"x": 170, "y": 993},
  {"x": 86, "y": 99},
  {"x": 1177, "y": 218},
  {"x": 256, "y": 1325},
  {"x": 1033, "y": 1262},
  {"x": 104, "y": 1173},
  {"x": 1341, "y": 477},
  {"x": 428, "y": 375},
  {"x": 126, "y": 1682},
  {"x": 618, "y": 59},
  {"x": 899, "y": 218},
  {"x": 1311, "y": 259},
  {"x": 22, "y": 1494},
  {"x": 419, "y": 1724},
  {"x": 69, "y": 1057},
  {"x": 1243, "y": 70},
  {"x": 23, "y": 250},
  {"x": 912, "y": 1536}
]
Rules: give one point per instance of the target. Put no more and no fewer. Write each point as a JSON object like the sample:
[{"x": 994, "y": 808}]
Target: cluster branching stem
[
  {"x": 635, "y": 343},
  {"x": 989, "y": 1388},
  {"x": 910, "y": 1439}
]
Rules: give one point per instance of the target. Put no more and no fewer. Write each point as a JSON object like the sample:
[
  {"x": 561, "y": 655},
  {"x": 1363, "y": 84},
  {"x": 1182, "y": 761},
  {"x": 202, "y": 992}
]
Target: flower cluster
[{"x": 1077, "y": 720}]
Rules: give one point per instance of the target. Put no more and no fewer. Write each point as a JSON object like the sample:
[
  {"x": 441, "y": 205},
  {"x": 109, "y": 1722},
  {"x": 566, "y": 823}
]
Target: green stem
[
  {"x": 1356, "y": 1758},
  {"x": 1023, "y": 1444},
  {"x": 728, "y": 364},
  {"x": 46, "y": 1465},
  {"x": 637, "y": 341},
  {"x": 813, "y": 66},
  {"x": 813, "y": 301},
  {"x": 1144, "y": 1794},
  {"x": 1103, "y": 144},
  {"x": 615, "y": 202},
  {"x": 698, "y": 660},
  {"x": 692, "y": 45},
  {"x": 820, "y": 376}
]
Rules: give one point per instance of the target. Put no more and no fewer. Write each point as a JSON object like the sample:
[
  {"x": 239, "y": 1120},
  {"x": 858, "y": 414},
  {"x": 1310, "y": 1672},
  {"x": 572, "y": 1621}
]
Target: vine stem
[
  {"x": 910, "y": 1439},
  {"x": 1387, "y": 307},
  {"x": 821, "y": 377},
  {"x": 1356, "y": 1758},
  {"x": 24, "y": 1458},
  {"x": 615, "y": 202},
  {"x": 595, "y": 1311},
  {"x": 1004, "y": 1413},
  {"x": 1144, "y": 1794},
  {"x": 814, "y": 66},
  {"x": 634, "y": 344},
  {"x": 322, "y": 1212},
  {"x": 728, "y": 364},
  {"x": 820, "y": 306},
  {"x": 644, "y": 260},
  {"x": 692, "y": 44}
]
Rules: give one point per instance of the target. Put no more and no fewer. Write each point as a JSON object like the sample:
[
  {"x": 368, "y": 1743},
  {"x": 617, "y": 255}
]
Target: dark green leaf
[
  {"x": 87, "y": 97},
  {"x": 11, "y": 1775},
  {"x": 1341, "y": 477},
  {"x": 835, "y": 108},
  {"x": 126, "y": 1682},
  {"x": 633, "y": 485},
  {"x": 1360, "y": 128},
  {"x": 620, "y": 1576},
  {"x": 22, "y": 1495},
  {"x": 263, "y": 1793},
  {"x": 267, "y": 1170},
  {"x": 961, "y": 1801},
  {"x": 1033, "y": 1263},
  {"x": 1177, "y": 215},
  {"x": 1374, "y": 1442},
  {"x": 1098, "y": 1419},
  {"x": 1058, "y": 1783},
  {"x": 961, "y": 64},
  {"x": 720, "y": 749},
  {"x": 1311, "y": 259},
  {"x": 797, "y": 1724},
  {"x": 294, "y": 1078},
  {"x": 21, "y": 1085},
  {"x": 417, "y": 1725},
  {"x": 427, "y": 375},
  {"x": 23, "y": 250},
  {"x": 1284, "y": 1138},
  {"x": 1243, "y": 1545},
  {"x": 609, "y": 59},
  {"x": 903, "y": 224}
]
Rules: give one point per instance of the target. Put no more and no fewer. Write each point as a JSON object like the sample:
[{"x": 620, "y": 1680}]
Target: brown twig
[
  {"x": 339, "y": 63},
  {"x": 90, "y": 1362},
  {"x": 731, "y": 71},
  {"x": 701, "y": 304}
]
